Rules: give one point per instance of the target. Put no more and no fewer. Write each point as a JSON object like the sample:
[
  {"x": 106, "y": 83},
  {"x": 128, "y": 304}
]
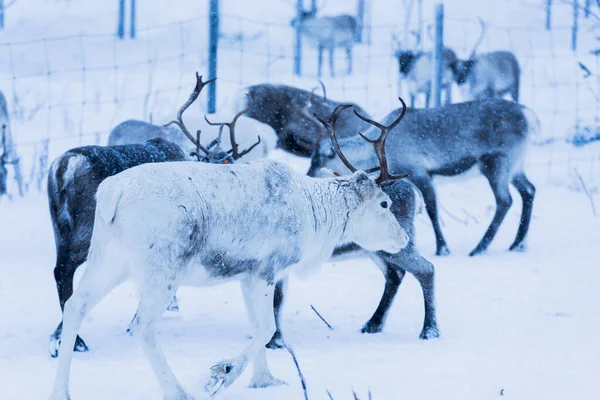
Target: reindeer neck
[
  {"x": 359, "y": 152},
  {"x": 331, "y": 201}
]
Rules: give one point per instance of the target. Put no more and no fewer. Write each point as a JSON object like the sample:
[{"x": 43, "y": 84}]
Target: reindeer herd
[
  {"x": 174, "y": 212},
  {"x": 166, "y": 207}
]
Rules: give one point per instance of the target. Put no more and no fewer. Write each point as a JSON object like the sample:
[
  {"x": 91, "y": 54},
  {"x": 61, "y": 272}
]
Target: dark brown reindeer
[
  {"x": 492, "y": 134},
  {"x": 393, "y": 266},
  {"x": 74, "y": 178},
  {"x": 288, "y": 110}
]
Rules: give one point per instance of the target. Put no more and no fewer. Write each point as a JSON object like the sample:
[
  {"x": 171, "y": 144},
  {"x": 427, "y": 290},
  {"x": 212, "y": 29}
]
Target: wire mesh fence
[{"x": 72, "y": 90}]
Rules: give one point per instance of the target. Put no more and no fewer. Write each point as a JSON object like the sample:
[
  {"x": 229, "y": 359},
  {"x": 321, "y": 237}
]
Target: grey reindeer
[
  {"x": 393, "y": 266},
  {"x": 492, "y": 134},
  {"x": 416, "y": 69},
  {"x": 487, "y": 75},
  {"x": 74, "y": 178},
  {"x": 328, "y": 33}
]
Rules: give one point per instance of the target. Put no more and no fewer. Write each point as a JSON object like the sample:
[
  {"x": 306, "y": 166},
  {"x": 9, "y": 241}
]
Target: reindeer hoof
[
  {"x": 266, "y": 380},
  {"x": 54, "y": 345},
  {"x": 442, "y": 251},
  {"x": 477, "y": 251},
  {"x": 518, "y": 247},
  {"x": 60, "y": 396},
  {"x": 173, "y": 305},
  {"x": 429, "y": 333},
  {"x": 224, "y": 374},
  {"x": 276, "y": 341},
  {"x": 371, "y": 327}
]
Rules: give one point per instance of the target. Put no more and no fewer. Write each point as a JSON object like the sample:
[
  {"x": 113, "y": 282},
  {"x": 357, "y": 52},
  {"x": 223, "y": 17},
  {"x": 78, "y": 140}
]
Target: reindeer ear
[{"x": 361, "y": 176}]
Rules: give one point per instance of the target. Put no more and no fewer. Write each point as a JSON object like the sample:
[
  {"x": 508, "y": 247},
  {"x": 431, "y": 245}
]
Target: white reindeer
[{"x": 171, "y": 224}]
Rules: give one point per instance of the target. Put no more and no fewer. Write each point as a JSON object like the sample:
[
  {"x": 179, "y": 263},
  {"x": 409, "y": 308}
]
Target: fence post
[
  {"x": 298, "y": 39},
  {"x": 575, "y": 27},
  {"x": 121, "y": 23},
  {"x": 548, "y": 14},
  {"x": 360, "y": 20},
  {"x": 586, "y": 9},
  {"x": 132, "y": 25},
  {"x": 1, "y": 14},
  {"x": 213, "y": 47},
  {"x": 438, "y": 50}
]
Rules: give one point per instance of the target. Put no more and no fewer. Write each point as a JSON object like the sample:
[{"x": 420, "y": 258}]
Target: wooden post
[
  {"x": 548, "y": 14},
  {"x": 575, "y": 27},
  {"x": 132, "y": 25},
  {"x": 298, "y": 39},
  {"x": 586, "y": 9},
  {"x": 121, "y": 23},
  {"x": 213, "y": 46},
  {"x": 438, "y": 49},
  {"x": 360, "y": 20},
  {"x": 1, "y": 14}
]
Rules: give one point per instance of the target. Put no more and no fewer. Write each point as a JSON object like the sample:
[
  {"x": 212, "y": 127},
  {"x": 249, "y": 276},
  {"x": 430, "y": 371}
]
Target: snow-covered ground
[
  {"x": 525, "y": 323},
  {"x": 522, "y": 325}
]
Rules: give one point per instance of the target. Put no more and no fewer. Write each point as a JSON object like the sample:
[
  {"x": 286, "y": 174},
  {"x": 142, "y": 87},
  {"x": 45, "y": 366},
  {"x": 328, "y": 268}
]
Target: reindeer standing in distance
[
  {"x": 288, "y": 110},
  {"x": 393, "y": 266},
  {"x": 416, "y": 69},
  {"x": 328, "y": 33},
  {"x": 487, "y": 75},
  {"x": 170, "y": 224},
  {"x": 8, "y": 153},
  {"x": 492, "y": 134},
  {"x": 74, "y": 178}
]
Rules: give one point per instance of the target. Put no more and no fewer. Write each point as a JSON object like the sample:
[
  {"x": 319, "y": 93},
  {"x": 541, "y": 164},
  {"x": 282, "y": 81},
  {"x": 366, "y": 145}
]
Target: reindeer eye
[{"x": 384, "y": 204}]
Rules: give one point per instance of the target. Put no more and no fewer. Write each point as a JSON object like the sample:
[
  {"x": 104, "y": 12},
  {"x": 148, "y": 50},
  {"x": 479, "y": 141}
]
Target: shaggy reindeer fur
[
  {"x": 171, "y": 224},
  {"x": 492, "y": 134},
  {"x": 72, "y": 183}
]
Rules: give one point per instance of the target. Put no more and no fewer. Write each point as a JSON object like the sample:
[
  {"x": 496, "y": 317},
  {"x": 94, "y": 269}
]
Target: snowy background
[{"x": 524, "y": 324}]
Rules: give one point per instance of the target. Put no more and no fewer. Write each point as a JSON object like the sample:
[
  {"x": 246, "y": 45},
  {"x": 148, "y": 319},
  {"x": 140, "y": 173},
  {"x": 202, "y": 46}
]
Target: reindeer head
[
  {"x": 217, "y": 155},
  {"x": 371, "y": 224}
]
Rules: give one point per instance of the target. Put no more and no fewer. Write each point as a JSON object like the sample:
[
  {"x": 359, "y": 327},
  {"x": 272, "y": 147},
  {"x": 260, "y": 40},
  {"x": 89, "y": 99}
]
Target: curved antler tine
[
  {"x": 329, "y": 127},
  {"x": 324, "y": 90},
  {"x": 249, "y": 149},
  {"x": 179, "y": 121},
  {"x": 366, "y": 138},
  {"x": 397, "y": 121},
  {"x": 369, "y": 121},
  {"x": 212, "y": 123},
  {"x": 337, "y": 111},
  {"x": 234, "y": 145}
]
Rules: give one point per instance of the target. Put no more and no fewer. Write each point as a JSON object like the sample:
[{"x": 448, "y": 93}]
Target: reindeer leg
[
  {"x": 393, "y": 279},
  {"x": 320, "y": 60},
  {"x": 410, "y": 260},
  {"x": 527, "y": 192},
  {"x": 98, "y": 280},
  {"x": 155, "y": 294},
  {"x": 349, "y": 59},
  {"x": 279, "y": 296},
  {"x": 496, "y": 169},
  {"x": 226, "y": 372},
  {"x": 331, "y": 65},
  {"x": 426, "y": 187},
  {"x": 64, "y": 271}
]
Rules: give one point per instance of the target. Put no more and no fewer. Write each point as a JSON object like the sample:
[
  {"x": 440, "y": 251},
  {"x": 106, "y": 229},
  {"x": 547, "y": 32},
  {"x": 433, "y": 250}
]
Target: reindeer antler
[
  {"x": 4, "y": 151},
  {"x": 384, "y": 178},
  {"x": 231, "y": 125},
  {"x": 329, "y": 127},
  {"x": 179, "y": 121}
]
